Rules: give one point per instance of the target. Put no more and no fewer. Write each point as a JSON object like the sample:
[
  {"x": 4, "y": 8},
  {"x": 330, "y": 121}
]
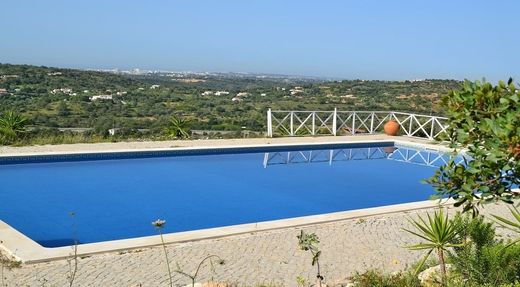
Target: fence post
[
  {"x": 292, "y": 124},
  {"x": 313, "y": 123},
  {"x": 334, "y": 123},
  {"x": 412, "y": 118},
  {"x": 353, "y": 131},
  {"x": 372, "y": 123},
  {"x": 430, "y": 136},
  {"x": 269, "y": 124}
]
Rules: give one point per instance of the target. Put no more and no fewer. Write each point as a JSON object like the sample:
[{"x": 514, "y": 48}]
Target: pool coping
[{"x": 26, "y": 250}]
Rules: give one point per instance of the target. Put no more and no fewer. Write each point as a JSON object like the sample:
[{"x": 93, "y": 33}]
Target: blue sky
[{"x": 387, "y": 40}]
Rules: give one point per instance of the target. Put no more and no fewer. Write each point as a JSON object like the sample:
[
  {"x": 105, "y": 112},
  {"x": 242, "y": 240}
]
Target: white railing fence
[{"x": 315, "y": 123}]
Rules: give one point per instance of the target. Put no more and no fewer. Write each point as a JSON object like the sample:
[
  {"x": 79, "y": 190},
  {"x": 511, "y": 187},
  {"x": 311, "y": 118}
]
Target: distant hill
[{"x": 56, "y": 97}]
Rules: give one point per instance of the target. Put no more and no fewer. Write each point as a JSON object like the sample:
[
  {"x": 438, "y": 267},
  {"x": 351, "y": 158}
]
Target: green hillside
[{"x": 54, "y": 98}]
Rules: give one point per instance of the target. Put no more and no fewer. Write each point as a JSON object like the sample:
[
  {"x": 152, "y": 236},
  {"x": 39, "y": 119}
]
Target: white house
[
  {"x": 8, "y": 76},
  {"x": 62, "y": 90},
  {"x": 101, "y": 97},
  {"x": 296, "y": 91}
]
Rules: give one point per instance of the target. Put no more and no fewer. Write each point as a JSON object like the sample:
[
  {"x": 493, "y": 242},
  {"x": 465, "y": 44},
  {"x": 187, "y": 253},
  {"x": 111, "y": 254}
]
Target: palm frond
[
  {"x": 510, "y": 224},
  {"x": 513, "y": 225},
  {"x": 423, "y": 260},
  {"x": 436, "y": 230}
]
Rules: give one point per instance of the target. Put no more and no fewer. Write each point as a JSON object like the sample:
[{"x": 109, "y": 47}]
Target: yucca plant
[
  {"x": 11, "y": 125},
  {"x": 438, "y": 231},
  {"x": 178, "y": 128},
  {"x": 513, "y": 225}
]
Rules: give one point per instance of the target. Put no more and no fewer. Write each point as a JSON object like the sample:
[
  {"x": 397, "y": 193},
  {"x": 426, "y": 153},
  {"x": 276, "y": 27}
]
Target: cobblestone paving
[{"x": 265, "y": 257}]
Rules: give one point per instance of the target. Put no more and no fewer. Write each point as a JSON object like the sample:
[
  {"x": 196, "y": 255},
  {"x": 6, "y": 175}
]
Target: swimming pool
[{"x": 116, "y": 196}]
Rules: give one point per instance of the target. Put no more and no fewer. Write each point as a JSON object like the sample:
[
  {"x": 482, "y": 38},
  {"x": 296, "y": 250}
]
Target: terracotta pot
[
  {"x": 392, "y": 128},
  {"x": 389, "y": 149}
]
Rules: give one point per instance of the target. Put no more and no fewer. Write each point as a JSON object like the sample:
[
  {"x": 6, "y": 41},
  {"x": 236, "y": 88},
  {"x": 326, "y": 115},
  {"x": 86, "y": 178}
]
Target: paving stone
[{"x": 348, "y": 246}]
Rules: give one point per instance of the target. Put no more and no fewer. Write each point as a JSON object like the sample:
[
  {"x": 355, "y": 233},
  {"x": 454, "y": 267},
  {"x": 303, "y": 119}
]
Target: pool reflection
[{"x": 410, "y": 155}]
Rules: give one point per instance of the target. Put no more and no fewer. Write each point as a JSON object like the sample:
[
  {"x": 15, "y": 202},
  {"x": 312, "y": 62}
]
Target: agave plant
[
  {"x": 11, "y": 125},
  {"x": 513, "y": 225},
  {"x": 178, "y": 128},
  {"x": 438, "y": 231}
]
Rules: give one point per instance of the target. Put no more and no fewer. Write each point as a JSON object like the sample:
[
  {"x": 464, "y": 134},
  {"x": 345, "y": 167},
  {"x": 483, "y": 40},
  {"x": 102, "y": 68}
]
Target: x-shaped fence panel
[{"x": 302, "y": 123}]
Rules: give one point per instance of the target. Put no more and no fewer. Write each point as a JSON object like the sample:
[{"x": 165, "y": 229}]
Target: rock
[
  {"x": 345, "y": 282},
  {"x": 431, "y": 277},
  {"x": 216, "y": 284}
]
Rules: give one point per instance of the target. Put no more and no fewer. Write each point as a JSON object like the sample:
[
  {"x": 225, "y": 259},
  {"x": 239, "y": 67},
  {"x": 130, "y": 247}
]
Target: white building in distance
[
  {"x": 62, "y": 90},
  {"x": 296, "y": 91},
  {"x": 217, "y": 93},
  {"x": 101, "y": 97}
]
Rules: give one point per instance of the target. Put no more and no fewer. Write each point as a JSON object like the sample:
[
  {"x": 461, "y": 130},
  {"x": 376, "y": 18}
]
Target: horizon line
[{"x": 277, "y": 75}]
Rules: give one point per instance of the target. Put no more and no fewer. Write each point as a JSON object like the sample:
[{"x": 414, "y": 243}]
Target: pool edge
[{"x": 28, "y": 251}]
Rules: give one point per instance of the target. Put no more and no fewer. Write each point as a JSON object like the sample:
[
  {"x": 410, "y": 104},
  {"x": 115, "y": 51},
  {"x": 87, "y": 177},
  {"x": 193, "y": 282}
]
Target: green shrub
[
  {"x": 462, "y": 283},
  {"x": 376, "y": 278},
  {"x": 482, "y": 259}
]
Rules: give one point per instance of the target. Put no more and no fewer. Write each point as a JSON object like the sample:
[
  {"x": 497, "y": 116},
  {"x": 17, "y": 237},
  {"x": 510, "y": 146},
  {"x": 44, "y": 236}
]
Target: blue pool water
[{"x": 118, "y": 198}]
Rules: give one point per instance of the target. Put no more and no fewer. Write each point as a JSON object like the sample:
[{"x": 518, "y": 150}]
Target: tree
[
  {"x": 11, "y": 125},
  {"x": 178, "y": 128},
  {"x": 485, "y": 124},
  {"x": 63, "y": 109}
]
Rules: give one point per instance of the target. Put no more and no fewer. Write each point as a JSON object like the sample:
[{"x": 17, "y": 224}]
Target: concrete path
[{"x": 119, "y": 146}]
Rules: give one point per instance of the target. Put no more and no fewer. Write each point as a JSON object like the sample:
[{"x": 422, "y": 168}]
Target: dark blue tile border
[{"x": 8, "y": 160}]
